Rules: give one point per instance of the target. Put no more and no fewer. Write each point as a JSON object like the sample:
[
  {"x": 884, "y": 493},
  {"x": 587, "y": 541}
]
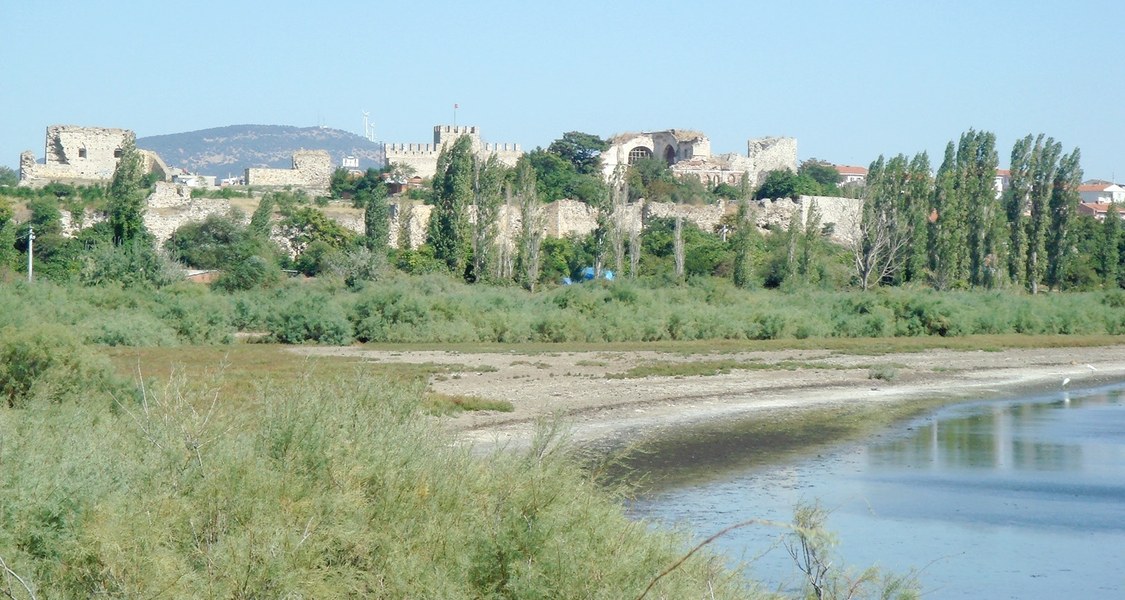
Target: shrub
[
  {"x": 48, "y": 362},
  {"x": 310, "y": 317}
]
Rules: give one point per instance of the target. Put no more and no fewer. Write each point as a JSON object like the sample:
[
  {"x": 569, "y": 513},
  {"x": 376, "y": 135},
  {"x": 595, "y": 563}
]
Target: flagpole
[{"x": 455, "y": 115}]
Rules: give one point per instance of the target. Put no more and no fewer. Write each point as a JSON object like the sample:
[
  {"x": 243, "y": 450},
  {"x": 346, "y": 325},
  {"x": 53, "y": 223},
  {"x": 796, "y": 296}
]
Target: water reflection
[{"x": 1026, "y": 496}]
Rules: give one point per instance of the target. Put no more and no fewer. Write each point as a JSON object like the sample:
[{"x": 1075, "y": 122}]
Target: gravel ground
[{"x": 585, "y": 391}]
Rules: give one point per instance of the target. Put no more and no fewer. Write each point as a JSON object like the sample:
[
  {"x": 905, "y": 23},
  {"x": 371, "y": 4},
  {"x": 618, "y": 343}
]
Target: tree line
[{"x": 947, "y": 230}]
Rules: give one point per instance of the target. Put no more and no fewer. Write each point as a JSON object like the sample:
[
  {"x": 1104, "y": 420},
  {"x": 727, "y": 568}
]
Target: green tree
[
  {"x": 823, "y": 173},
  {"x": 947, "y": 231},
  {"x": 127, "y": 196},
  {"x": 261, "y": 221},
  {"x": 1063, "y": 203},
  {"x": 8, "y": 177},
  {"x": 1109, "y": 249},
  {"x": 784, "y": 183},
  {"x": 376, "y": 217},
  {"x": 1042, "y": 165},
  {"x": 976, "y": 175},
  {"x": 453, "y": 193},
  {"x": 581, "y": 150},
  {"x": 746, "y": 240},
  {"x": 531, "y": 224},
  {"x": 488, "y": 181}
]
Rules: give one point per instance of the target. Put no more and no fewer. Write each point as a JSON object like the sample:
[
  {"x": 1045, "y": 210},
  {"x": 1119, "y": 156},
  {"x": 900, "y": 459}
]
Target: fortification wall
[
  {"x": 311, "y": 171},
  {"x": 771, "y": 154},
  {"x": 171, "y": 206},
  {"x": 705, "y": 217},
  {"x": 83, "y": 155},
  {"x": 842, "y": 213},
  {"x": 410, "y": 219},
  {"x": 423, "y": 157},
  {"x": 565, "y": 217}
]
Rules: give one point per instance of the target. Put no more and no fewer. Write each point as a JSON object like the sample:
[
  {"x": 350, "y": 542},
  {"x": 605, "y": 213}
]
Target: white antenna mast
[{"x": 368, "y": 128}]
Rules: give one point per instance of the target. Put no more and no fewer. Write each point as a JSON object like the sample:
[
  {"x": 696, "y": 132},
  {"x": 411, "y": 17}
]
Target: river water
[{"x": 1020, "y": 498}]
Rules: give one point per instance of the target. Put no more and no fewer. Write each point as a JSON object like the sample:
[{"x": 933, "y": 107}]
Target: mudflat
[{"x": 617, "y": 396}]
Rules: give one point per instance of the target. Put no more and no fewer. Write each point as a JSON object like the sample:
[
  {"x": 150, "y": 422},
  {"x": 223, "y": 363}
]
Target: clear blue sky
[{"x": 849, "y": 79}]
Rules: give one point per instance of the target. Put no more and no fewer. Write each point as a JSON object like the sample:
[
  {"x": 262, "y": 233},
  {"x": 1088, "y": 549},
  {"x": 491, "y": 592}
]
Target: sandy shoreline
[{"x": 585, "y": 389}]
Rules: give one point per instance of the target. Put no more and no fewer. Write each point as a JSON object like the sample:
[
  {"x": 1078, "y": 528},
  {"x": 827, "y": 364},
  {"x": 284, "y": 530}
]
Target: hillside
[{"x": 226, "y": 151}]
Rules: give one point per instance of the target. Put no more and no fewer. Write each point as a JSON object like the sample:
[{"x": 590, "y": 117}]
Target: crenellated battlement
[
  {"x": 501, "y": 148},
  {"x": 412, "y": 149},
  {"x": 423, "y": 157}
]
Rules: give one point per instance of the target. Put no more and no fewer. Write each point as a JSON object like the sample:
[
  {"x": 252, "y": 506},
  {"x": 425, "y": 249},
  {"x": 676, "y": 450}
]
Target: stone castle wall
[
  {"x": 311, "y": 171},
  {"x": 82, "y": 155},
  {"x": 423, "y": 157},
  {"x": 842, "y": 213},
  {"x": 771, "y": 154}
]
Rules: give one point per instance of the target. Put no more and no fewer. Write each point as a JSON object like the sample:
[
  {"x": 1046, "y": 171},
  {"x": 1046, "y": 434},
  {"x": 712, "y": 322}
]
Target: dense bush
[
  {"x": 48, "y": 363},
  {"x": 319, "y": 490}
]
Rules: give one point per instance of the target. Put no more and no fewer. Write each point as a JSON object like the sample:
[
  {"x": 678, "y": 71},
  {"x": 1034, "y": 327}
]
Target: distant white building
[
  {"x": 850, "y": 174},
  {"x": 1101, "y": 193}
]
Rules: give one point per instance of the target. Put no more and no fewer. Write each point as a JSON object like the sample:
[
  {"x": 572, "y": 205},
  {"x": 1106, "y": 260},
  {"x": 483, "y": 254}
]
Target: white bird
[
  {"x": 1066, "y": 381},
  {"x": 1091, "y": 367}
]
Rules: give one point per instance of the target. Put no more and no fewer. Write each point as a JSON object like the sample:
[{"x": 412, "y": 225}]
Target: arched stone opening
[
  {"x": 639, "y": 153},
  {"x": 669, "y": 155}
]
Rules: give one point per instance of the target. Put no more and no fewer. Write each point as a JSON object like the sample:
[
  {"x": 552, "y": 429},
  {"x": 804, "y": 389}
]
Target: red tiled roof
[
  {"x": 1092, "y": 187},
  {"x": 849, "y": 170},
  {"x": 1003, "y": 173}
]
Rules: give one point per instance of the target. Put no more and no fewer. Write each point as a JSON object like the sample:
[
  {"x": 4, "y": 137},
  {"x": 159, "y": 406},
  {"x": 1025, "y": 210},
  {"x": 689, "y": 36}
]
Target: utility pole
[{"x": 30, "y": 253}]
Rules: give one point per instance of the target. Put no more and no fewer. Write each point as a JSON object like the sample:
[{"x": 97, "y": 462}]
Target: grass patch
[
  {"x": 883, "y": 372},
  {"x": 536, "y": 364},
  {"x": 436, "y": 403},
  {"x": 321, "y": 487}
]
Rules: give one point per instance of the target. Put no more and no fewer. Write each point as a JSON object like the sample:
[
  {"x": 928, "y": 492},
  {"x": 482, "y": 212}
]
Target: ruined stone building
[
  {"x": 83, "y": 156},
  {"x": 311, "y": 171},
  {"x": 423, "y": 157},
  {"x": 688, "y": 153}
]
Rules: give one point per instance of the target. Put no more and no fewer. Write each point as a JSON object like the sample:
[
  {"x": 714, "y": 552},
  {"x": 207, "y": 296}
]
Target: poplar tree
[
  {"x": 1044, "y": 163},
  {"x": 376, "y": 218},
  {"x": 919, "y": 191},
  {"x": 947, "y": 231},
  {"x": 1064, "y": 200},
  {"x": 448, "y": 231},
  {"x": 488, "y": 181},
  {"x": 1109, "y": 254},
  {"x": 127, "y": 196},
  {"x": 1020, "y": 167},
  {"x": 976, "y": 176},
  {"x": 745, "y": 237},
  {"x": 531, "y": 224}
]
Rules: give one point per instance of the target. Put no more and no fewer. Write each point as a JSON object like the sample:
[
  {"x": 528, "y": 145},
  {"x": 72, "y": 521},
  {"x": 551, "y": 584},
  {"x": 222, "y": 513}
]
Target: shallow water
[{"x": 1020, "y": 498}]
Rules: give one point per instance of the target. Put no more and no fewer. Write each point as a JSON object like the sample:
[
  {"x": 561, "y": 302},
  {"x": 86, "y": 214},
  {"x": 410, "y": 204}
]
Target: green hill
[{"x": 228, "y": 151}]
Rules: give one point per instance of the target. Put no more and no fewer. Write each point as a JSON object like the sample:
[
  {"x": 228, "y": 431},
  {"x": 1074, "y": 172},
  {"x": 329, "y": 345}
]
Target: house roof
[
  {"x": 1093, "y": 187},
  {"x": 1003, "y": 172},
  {"x": 1095, "y": 208},
  {"x": 850, "y": 170}
]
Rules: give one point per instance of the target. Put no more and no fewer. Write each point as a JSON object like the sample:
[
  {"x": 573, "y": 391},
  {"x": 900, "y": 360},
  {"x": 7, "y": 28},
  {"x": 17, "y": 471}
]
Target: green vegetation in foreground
[
  {"x": 321, "y": 487},
  {"x": 435, "y": 309}
]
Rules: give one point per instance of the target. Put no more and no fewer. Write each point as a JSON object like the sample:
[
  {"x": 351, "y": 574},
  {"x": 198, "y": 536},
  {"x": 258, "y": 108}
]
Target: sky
[{"x": 849, "y": 79}]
